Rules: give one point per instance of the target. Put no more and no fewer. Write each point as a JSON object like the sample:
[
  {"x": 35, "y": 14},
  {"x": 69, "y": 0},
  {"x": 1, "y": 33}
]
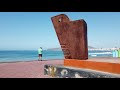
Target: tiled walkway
[{"x": 33, "y": 69}]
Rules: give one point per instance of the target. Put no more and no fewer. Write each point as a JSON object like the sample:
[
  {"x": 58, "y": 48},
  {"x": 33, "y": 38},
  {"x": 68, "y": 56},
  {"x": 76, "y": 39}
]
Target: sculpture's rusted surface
[{"x": 72, "y": 36}]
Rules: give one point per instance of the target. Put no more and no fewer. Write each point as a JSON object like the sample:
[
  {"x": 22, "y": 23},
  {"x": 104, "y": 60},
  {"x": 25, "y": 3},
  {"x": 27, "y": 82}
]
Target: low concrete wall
[{"x": 61, "y": 71}]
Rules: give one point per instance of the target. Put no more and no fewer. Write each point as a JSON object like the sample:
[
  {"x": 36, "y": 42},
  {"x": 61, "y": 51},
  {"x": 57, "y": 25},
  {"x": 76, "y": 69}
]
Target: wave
[
  {"x": 101, "y": 53},
  {"x": 93, "y": 55}
]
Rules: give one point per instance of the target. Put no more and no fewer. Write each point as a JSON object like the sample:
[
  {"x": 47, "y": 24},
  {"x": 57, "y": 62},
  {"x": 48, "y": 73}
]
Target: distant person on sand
[
  {"x": 119, "y": 52},
  {"x": 40, "y": 54},
  {"x": 114, "y": 53}
]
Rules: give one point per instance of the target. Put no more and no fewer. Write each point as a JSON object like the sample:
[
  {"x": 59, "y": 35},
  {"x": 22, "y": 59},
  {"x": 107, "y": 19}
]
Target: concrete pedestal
[
  {"x": 91, "y": 68},
  {"x": 61, "y": 71}
]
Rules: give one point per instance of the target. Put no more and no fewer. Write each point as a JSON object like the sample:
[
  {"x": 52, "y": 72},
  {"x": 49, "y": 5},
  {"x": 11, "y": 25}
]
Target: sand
[{"x": 31, "y": 69}]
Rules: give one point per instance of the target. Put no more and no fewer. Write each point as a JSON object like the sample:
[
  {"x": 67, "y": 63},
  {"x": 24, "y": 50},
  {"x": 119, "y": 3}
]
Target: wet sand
[{"x": 29, "y": 69}]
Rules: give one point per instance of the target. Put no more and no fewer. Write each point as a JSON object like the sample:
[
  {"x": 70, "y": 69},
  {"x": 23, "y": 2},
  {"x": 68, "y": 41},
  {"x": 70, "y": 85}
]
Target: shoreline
[
  {"x": 29, "y": 61},
  {"x": 97, "y": 59}
]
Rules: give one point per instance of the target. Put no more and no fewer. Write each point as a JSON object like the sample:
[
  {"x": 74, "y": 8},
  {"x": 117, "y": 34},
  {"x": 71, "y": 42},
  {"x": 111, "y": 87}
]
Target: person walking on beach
[
  {"x": 40, "y": 54},
  {"x": 119, "y": 52},
  {"x": 116, "y": 52},
  {"x": 113, "y": 53}
]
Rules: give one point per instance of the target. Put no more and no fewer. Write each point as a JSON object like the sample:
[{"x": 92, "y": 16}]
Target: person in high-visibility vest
[
  {"x": 40, "y": 53},
  {"x": 113, "y": 53},
  {"x": 116, "y": 53},
  {"x": 119, "y": 52}
]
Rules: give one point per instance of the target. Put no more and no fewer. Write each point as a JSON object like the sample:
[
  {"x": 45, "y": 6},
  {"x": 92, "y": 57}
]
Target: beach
[
  {"x": 26, "y": 69},
  {"x": 35, "y": 69}
]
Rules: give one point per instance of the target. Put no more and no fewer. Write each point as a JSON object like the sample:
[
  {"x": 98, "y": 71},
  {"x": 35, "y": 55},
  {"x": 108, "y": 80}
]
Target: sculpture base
[
  {"x": 111, "y": 65},
  {"x": 61, "y": 71}
]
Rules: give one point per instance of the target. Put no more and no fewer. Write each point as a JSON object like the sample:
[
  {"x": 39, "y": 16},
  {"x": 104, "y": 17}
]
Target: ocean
[{"x": 31, "y": 55}]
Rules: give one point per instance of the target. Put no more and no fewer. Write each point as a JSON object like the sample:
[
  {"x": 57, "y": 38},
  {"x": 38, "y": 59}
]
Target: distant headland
[
  {"x": 59, "y": 49},
  {"x": 90, "y": 48}
]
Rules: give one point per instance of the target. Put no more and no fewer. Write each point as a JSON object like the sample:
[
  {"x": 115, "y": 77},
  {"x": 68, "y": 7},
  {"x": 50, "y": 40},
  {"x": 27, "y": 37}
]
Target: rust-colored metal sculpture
[{"x": 72, "y": 36}]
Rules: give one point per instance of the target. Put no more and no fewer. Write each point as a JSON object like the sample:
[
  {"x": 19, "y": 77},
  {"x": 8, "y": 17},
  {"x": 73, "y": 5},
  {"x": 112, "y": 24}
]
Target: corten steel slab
[
  {"x": 111, "y": 65},
  {"x": 72, "y": 36}
]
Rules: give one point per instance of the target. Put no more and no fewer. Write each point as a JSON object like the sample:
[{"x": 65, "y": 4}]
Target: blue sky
[{"x": 31, "y": 30}]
